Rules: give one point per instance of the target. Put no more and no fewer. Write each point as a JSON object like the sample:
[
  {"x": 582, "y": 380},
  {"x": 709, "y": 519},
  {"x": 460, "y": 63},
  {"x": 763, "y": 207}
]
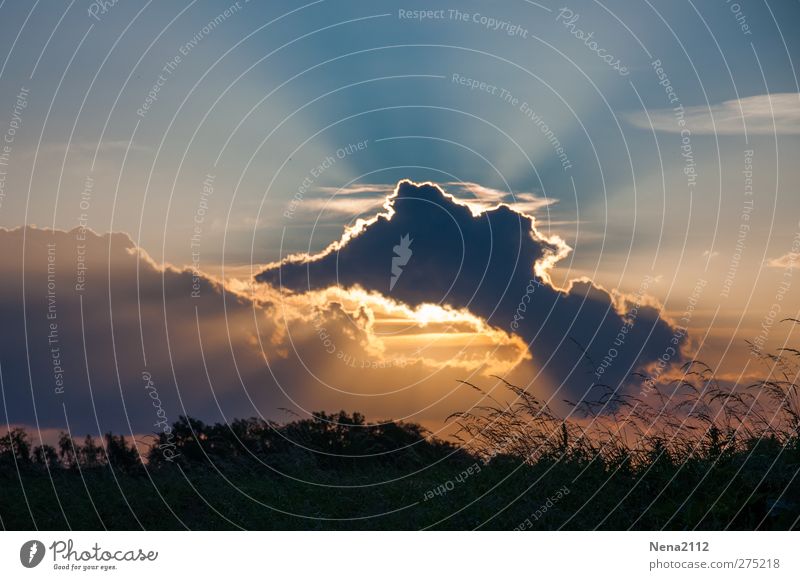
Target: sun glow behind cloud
[{"x": 386, "y": 331}]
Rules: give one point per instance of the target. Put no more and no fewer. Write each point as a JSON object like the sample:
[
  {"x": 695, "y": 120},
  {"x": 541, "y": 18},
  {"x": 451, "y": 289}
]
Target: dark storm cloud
[
  {"x": 485, "y": 263},
  {"x": 93, "y": 365}
]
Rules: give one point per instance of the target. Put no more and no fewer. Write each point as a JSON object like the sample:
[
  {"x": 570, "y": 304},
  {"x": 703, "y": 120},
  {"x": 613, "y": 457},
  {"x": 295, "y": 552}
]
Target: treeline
[
  {"x": 332, "y": 440},
  {"x": 17, "y": 450}
]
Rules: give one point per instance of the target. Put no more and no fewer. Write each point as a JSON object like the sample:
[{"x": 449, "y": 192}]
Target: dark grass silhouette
[{"x": 691, "y": 454}]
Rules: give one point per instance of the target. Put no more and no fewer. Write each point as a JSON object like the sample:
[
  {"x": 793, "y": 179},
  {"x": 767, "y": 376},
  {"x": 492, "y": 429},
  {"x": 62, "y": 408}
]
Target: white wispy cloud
[
  {"x": 761, "y": 114},
  {"x": 347, "y": 206},
  {"x": 530, "y": 203},
  {"x": 358, "y": 188},
  {"x": 789, "y": 260},
  {"x": 481, "y": 192},
  {"x": 480, "y": 198},
  {"x": 359, "y": 198}
]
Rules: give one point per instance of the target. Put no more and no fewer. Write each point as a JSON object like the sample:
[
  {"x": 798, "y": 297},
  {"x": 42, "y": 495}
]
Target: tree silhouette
[
  {"x": 46, "y": 456},
  {"x": 15, "y": 447}
]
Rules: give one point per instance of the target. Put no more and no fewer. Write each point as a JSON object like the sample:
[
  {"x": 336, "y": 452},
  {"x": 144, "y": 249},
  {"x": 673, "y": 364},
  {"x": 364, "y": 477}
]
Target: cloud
[
  {"x": 495, "y": 264},
  {"x": 480, "y": 198},
  {"x": 346, "y": 206},
  {"x": 788, "y": 260},
  {"x": 356, "y": 324},
  {"x": 357, "y": 188},
  {"x": 86, "y": 317},
  {"x": 360, "y": 198},
  {"x": 763, "y": 115}
]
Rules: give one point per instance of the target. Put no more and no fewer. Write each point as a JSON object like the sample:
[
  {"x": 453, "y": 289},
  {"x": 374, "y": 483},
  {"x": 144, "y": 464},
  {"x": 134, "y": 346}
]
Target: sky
[{"x": 213, "y": 174}]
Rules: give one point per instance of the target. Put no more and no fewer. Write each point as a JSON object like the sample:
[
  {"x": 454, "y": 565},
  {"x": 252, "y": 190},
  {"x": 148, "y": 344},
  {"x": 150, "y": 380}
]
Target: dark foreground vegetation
[{"x": 693, "y": 455}]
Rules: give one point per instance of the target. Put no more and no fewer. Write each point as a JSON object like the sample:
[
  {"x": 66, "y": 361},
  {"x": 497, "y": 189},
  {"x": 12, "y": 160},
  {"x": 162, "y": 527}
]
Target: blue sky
[{"x": 387, "y": 77}]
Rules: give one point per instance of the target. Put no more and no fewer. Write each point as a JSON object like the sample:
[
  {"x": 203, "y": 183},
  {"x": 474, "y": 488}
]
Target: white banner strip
[{"x": 399, "y": 555}]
